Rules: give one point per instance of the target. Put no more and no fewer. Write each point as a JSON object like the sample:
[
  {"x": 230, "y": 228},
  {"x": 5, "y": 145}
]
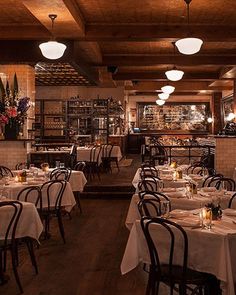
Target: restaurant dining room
[{"x": 117, "y": 147}]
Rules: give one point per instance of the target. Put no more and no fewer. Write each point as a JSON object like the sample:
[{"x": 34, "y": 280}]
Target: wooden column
[
  {"x": 234, "y": 97},
  {"x": 216, "y": 112}
]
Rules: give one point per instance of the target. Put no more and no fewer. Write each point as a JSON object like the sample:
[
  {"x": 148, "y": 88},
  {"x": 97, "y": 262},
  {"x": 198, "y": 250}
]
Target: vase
[{"x": 11, "y": 131}]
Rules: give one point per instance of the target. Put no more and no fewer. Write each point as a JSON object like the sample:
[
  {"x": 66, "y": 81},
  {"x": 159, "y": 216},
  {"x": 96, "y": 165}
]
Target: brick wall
[{"x": 225, "y": 156}]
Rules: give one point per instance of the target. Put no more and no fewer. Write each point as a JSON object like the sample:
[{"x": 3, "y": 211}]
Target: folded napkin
[
  {"x": 169, "y": 189},
  {"x": 176, "y": 195},
  {"x": 188, "y": 222},
  {"x": 230, "y": 212},
  {"x": 209, "y": 189},
  {"x": 178, "y": 213}
]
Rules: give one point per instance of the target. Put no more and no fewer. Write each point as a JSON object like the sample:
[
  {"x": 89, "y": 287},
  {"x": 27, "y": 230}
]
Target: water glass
[
  {"x": 57, "y": 164},
  {"x": 165, "y": 209},
  {"x": 62, "y": 165},
  {"x": 160, "y": 186},
  {"x": 206, "y": 217}
]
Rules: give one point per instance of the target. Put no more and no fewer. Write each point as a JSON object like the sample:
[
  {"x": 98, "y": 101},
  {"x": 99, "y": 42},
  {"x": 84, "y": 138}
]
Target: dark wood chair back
[{"x": 61, "y": 174}]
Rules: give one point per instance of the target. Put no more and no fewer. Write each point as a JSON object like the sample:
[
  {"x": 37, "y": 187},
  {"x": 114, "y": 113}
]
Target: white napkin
[
  {"x": 209, "y": 189},
  {"x": 176, "y": 195},
  {"x": 169, "y": 189},
  {"x": 230, "y": 212}
]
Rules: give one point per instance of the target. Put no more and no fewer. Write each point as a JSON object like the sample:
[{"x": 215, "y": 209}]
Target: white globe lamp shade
[
  {"x": 160, "y": 102},
  {"x": 209, "y": 120},
  {"x": 189, "y": 46},
  {"x": 168, "y": 89},
  {"x": 52, "y": 49},
  {"x": 163, "y": 96},
  {"x": 174, "y": 75},
  {"x": 230, "y": 117}
]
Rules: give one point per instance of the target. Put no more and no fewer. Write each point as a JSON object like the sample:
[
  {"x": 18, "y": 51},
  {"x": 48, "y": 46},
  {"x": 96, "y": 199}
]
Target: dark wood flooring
[{"x": 89, "y": 263}]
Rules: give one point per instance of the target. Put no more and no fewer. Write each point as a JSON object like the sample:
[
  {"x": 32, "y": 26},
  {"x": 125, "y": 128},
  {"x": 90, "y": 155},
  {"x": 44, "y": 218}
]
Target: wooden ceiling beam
[
  {"x": 180, "y": 86},
  {"x": 160, "y": 76},
  {"x": 228, "y": 73},
  {"x": 25, "y": 32},
  {"x": 158, "y": 32},
  {"x": 184, "y": 60}
]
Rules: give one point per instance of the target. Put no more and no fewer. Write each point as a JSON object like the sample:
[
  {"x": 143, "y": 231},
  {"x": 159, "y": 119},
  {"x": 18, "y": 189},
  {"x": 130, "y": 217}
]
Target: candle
[
  {"x": 17, "y": 178},
  {"x": 206, "y": 216}
]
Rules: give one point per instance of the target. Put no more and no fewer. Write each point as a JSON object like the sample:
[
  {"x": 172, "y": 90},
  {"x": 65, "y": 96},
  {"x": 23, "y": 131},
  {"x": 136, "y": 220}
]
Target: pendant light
[
  {"x": 189, "y": 45},
  {"x": 160, "y": 102},
  {"x": 168, "y": 89},
  {"x": 52, "y": 49},
  {"x": 163, "y": 96},
  {"x": 174, "y": 74}
]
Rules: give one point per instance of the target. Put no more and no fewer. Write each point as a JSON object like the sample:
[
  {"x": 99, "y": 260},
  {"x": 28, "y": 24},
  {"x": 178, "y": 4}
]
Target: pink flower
[
  {"x": 11, "y": 112},
  {"x": 3, "y": 119}
]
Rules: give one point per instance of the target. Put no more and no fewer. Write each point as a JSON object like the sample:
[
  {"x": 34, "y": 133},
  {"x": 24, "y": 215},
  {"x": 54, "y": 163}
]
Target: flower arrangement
[
  {"x": 216, "y": 210},
  {"x": 13, "y": 109}
]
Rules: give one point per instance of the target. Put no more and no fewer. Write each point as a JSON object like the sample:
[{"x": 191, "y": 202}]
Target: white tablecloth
[
  {"x": 211, "y": 251},
  {"x": 68, "y": 199},
  {"x": 77, "y": 179},
  {"x": 165, "y": 175},
  {"x": 29, "y": 224},
  {"x": 176, "y": 203},
  {"x": 83, "y": 153}
]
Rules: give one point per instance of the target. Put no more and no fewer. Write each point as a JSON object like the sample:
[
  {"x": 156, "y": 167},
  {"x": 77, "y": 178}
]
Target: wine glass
[{"x": 165, "y": 209}]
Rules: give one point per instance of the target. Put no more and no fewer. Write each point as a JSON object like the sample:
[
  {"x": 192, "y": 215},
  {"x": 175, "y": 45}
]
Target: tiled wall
[
  {"x": 26, "y": 83},
  {"x": 12, "y": 153},
  {"x": 225, "y": 157}
]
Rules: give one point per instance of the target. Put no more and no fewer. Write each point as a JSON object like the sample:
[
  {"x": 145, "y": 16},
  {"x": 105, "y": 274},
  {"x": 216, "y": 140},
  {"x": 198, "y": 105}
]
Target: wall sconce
[
  {"x": 230, "y": 117},
  {"x": 209, "y": 119}
]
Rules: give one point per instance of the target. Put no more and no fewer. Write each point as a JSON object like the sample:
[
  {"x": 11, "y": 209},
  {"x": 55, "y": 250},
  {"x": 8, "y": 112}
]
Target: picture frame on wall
[{"x": 227, "y": 106}]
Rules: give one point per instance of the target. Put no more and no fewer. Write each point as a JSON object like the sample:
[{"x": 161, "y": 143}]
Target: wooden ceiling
[{"x": 134, "y": 36}]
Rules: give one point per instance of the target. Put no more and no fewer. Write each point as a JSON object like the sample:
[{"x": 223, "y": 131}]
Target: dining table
[
  {"x": 166, "y": 174},
  {"x": 77, "y": 178},
  {"x": 180, "y": 198},
  {"x": 83, "y": 153},
  {"x": 209, "y": 250},
  {"x": 11, "y": 189}
]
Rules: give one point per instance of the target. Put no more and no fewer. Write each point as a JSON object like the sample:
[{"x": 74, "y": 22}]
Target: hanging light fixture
[
  {"x": 189, "y": 45},
  {"x": 160, "y": 102},
  {"x": 52, "y": 49},
  {"x": 163, "y": 96},
  {"x": 174, "y": 74},
  {"x": 209, "y": 119},
  {"x": 168, "y": 89}
]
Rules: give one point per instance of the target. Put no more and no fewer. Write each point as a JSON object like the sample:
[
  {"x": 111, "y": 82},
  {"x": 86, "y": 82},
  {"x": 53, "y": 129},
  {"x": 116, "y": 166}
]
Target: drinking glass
[
  {"x": 206, "y": 217},
  {"x": 165, "y": 209},
  {"x": 62, "y": 165}
]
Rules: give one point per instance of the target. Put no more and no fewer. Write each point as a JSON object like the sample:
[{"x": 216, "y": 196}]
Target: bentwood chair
[
  {"x": 79, "y": 166},
  {"x": 5, "y": 171},
  {"x": 147, "y": 171},
  {"x": 9, "y": 242},
  {"x": 212, "y": 180},
  {"x": 226, "y": 183},
  {"x": 231, "y": 201},
  {"x": 61, "y": 174},
  {"x": 92, "y": 166},
  {"x": 158, "y": 154},
  {"x": 21, "y": 166},
  {"x": 106, "y": 151},
  {"x": 176, "y": 276},
  {"x": 149, "y": 207},
  {"x": 54, "y": 190},
  {"x": 149, "y": 184}
]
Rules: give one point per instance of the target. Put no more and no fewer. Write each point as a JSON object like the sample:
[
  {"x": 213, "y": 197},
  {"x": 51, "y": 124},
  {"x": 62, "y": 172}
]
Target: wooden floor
[{"x": 89, "y": 263}]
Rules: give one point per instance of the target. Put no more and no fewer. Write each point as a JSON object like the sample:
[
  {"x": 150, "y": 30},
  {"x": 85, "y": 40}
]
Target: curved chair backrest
[
  {"x": 60, "y": 174},
  {"x": 174, "y": 235},
  {"x": 154, "y": 195},
  {"x": 106, "y": 150},
  {"x": 149, "y": 207},
  {"x": 21, "y": 166},
  {"x": 211, "y": 180},
  {"x": 226, "y": 183},
  {"x": 31, "y": 194},
  {"x": 95, "y": 153},
  {"x": 54, "y": 190},
  {"x": 80, "y": 166},
  {"x": 14, "y": 209},
  {"x": 147, "y": 171},
  {"x": 231, "y": 200},
  {"x": 149, "y": 184},
  {"x": 5, "y": 171}
]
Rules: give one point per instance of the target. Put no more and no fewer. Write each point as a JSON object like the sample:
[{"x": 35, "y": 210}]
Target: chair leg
[
  {"x": 117, "y": 165},
  {"x": 61, "y": 228},
  {"x": 14, "y": 266},
  {"x": 30, "y": 247},
  {"x": 77, "y": 196}
]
